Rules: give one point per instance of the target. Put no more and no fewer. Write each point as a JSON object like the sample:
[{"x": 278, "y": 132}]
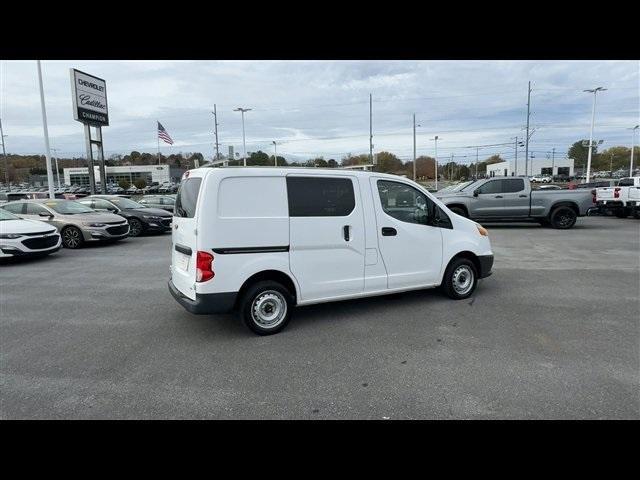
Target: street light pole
[
  {"x": 4, "y": 154},
  {"x": 633, "y": 144},
  {"x": 593, "y": 116},
  {"x": 244, "y": 144},
  {"x": 275, "y": 154},
  {"x": 414, "y": 147},
  {"x": 46, "y": 134},
  {"x": 435, "y": 139},
  {"x": 55, "y": 152}
]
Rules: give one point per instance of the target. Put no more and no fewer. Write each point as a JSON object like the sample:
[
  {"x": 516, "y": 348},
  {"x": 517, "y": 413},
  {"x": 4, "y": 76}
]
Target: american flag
[{"x": 162, "y": 133}]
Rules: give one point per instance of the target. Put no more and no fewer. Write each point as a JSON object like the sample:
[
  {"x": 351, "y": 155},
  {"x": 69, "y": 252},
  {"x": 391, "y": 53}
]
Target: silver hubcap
[
  {"x": 71, "y": 238},
  {"x": 463, "y": 280},
  {"x": 269, "y": 309}
]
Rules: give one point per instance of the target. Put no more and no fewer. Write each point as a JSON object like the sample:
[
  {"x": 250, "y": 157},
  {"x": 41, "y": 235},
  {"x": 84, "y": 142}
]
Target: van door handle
[
  {"x": 498, "y": 196},
  {"x": 345, "y": 231},
  {"x": 522, "y": 196},
  {"x": 389, "y": 232}
]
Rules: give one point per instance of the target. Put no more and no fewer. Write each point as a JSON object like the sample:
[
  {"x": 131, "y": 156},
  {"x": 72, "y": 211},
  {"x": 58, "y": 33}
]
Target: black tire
[
  {"x": 72, "y": 237},
  {"x": 135, "y": 227},
  {"x": 636, "y": 214},
  {"x": 453, "y": 285},
  {"x": 621, "y": 213},
  {"x": 563, "y": 218},
  {"x": 459, "y": 211},
  {"x": 260, "y": 300}
]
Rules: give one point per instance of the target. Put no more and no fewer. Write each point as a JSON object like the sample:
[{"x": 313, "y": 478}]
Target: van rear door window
[
  {"x": 320, "y": 196},
  {"x": 187, "y": 197}
]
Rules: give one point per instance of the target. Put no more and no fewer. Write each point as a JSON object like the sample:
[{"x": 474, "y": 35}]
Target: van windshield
[{"x": 187, "y": 197}]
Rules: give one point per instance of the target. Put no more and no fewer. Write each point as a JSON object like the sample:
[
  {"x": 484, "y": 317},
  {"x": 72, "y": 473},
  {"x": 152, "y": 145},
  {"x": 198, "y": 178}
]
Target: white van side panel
[
  {"x": 250, "y": 212},
  {"x": 232, "y": 270},
  {"x": 375, "y": 273}
]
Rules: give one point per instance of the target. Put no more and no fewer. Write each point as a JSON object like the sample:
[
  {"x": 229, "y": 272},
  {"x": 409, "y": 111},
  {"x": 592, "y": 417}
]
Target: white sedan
[{"x": 20, "y": 237}]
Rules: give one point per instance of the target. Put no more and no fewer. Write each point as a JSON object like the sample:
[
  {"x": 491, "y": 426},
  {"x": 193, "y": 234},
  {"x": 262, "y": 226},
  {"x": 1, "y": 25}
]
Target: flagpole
[{"x": 158, "y": 139}]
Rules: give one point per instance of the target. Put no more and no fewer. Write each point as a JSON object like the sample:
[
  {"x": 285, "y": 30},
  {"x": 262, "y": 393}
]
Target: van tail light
[
  {"x": 204, "y": 267},
  {"x": 593, "y": 196},
  {"x": 616, "y": 192}
]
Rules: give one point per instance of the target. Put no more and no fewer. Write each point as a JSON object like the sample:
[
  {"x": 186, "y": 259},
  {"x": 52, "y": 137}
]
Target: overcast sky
[{"x": 321, "y": 108}]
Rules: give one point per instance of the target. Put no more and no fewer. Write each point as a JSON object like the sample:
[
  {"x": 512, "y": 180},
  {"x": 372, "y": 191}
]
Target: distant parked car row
[{"x": 26, "y": 227}]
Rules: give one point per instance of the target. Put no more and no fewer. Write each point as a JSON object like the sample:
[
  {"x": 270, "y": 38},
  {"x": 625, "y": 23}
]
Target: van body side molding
[{"x": 232, "y": 251}]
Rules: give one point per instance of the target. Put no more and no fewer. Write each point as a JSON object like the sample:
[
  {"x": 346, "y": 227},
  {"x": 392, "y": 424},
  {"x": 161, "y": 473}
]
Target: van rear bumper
[
  {"x": 205, "y": 303},
  {"x": 486, "y": 263}
]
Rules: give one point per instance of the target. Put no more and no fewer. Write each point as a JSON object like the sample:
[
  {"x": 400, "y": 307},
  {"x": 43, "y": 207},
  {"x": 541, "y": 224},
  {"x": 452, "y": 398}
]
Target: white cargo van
[{"x": 263, "y": 240}]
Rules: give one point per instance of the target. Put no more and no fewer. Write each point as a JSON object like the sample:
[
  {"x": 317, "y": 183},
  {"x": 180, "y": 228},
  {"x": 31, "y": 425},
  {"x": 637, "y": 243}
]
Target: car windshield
[
  {"x": 68, "y": 207},
  {"x": 123, "y": 203},
  {"x": 461, "y": 186},
  {"x": 4, "y": 215},
  {"x": 466, "y": 187}
]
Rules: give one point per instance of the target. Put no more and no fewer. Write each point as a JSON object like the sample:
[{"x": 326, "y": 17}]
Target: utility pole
[
  {"x": 477, "y": 156},
  {"x": 370, "y": 129},
  {"x": 611, "y": 163},
  {"x": 414, "y": 147},
  {"x": 526, "y": 151},
  {"x": 553, "y": 160},
  {"x": 244, "y": 144},
  {"x": 593, "y": 116},
  {"x": 46, "y": 134},
  {"x": 6, "y": 162},
  {"x": 451, "y": 168},
  {"x": 215, "y": 124},
  {"x": 633, "y": 144},
  {"x": 275, "y": 154}
]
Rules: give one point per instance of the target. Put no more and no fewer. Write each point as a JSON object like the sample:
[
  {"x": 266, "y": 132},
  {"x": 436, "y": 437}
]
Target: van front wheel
[
  {"x": 266, "y": 307},
  {"x": 460, "y": 279}
]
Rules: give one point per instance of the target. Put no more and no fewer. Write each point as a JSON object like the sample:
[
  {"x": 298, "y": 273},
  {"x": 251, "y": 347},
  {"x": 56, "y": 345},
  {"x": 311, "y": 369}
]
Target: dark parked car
[
  {"x": 141, "y": 219},
  {"x": 165, "y": 202}
]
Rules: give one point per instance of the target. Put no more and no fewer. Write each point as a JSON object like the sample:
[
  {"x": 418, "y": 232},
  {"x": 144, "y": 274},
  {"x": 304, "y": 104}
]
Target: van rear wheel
[{"x": 266, "y": 307}]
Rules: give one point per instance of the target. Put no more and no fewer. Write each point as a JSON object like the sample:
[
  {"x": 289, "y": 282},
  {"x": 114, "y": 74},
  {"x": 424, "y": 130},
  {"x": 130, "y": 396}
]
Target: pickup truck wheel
[
  {"x": 460, "y": 279},
  {"x": 265, "y": 308},
  {"x": 563, "y": 218},
  {"x": 621, "y": 213},
  {"x": 460, "y": 211}
]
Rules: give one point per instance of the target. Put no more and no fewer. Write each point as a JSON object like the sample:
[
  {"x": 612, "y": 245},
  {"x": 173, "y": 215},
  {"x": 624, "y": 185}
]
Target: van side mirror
[
  {"x": 45, "y": 214},
  {"x": 476, "y": 192}
]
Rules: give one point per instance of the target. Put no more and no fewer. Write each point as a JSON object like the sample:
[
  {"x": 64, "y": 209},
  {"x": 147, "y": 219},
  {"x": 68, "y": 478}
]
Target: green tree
[
  {"x": 388, "y": 162},
  {"x": 124, "y": 184},
  {"x": 579, "y": 153},
  {"x": 140, "y": 183}
]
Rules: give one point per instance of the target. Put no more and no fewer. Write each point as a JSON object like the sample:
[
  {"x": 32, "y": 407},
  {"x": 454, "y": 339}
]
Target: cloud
[{"x": 314, "y": 108}]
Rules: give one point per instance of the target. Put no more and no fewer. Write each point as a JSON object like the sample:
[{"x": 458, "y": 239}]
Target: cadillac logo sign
[{"x": 89, "y": 96}]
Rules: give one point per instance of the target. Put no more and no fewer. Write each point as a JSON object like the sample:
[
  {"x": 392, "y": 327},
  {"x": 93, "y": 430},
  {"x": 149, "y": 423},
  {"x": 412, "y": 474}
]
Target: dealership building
[
  {"x": 149, "y": 173},
  {"x": 536, "y": 166}
]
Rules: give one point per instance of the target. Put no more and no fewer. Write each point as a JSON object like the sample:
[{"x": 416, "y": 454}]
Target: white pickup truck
[
  {"x": 633, "y": 204},
  {"x": 617, "y": 199}
]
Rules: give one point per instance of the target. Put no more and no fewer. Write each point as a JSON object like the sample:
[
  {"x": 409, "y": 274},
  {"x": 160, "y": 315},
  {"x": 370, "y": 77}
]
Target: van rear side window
[
  {"x": 187, "y": 197},
  {"x": 320, "y": 197}
]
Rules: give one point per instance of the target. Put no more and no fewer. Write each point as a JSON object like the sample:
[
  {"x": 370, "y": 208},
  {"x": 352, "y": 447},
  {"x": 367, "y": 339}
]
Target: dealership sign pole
[{"x": 90, "y": 108}]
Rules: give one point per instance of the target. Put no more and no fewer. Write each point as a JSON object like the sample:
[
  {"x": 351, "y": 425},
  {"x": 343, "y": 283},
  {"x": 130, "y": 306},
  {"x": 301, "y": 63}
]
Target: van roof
[{"x": 274, "y": 171}]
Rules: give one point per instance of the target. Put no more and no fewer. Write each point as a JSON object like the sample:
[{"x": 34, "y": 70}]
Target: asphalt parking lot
[{"x": 554, "y": 333}]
